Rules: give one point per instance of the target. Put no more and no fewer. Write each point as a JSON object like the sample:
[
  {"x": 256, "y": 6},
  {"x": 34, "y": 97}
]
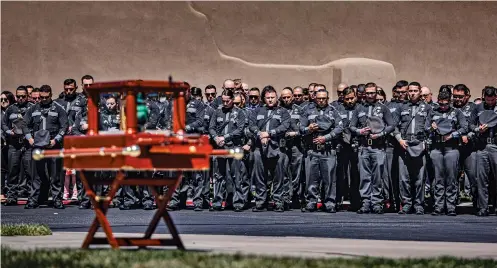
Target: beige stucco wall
[{"x": 278, "y": 43}]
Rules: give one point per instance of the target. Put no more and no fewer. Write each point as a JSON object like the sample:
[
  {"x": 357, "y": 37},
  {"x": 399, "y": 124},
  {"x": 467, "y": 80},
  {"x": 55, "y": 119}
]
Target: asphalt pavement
[{"x": 348, "y": 225}]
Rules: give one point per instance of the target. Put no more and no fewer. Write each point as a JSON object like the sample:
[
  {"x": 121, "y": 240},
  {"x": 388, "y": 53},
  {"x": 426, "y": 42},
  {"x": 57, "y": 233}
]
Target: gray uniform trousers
[
  {"x": 292, "y": 182},
  {"x": 348, "y": 176},
  {"x": 231, "y": 179},
  {"x": 371, "y": 168},
  {"x": 445, "y": 164},
  {"x": 320, "y": 169},
  {"x": 20, "y": 170},
  {"x": 181, "y": 190},
  {"x": 412, "y": 175},
  {"x": 391, "y": 177},
  {"x": 42, "y": 180},
  {"x": 266, "y": 170},
  {"x": 467, "y": 161},
  {"x": 486, "y": 161}
]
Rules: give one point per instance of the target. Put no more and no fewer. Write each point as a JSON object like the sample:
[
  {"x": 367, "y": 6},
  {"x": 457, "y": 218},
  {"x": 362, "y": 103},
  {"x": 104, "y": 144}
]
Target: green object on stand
[{"x": 141, "y": 109}]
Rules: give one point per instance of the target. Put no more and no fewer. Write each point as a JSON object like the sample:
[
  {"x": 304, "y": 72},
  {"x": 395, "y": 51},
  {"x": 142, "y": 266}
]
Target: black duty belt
[
  {"x": 381, "y": 141},
  {"x": 322, "y": 147},
  {"x": 438, "y": 141},
  {"x": 414, "y": 137}
]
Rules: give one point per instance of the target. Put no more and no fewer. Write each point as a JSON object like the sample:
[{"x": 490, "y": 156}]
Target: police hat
[
  {"x": 488, "y": 117},
  {"x": 415, "y": 148},
  {"x": 41, "y": 138},
  {"x": 376, "y": 124},
  {"x": 19, "y": 124},
  {"x": 444, "y": 126}
]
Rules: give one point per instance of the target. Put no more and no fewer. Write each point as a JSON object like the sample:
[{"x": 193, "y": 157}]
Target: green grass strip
[
  {"x": 167, "y": 258},
  {"x": 24, "y": 230}
]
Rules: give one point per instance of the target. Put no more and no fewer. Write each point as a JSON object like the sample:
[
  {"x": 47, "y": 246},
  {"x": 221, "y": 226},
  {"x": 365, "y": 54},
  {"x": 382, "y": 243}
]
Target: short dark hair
[
  {"x": 35, "y": 90},
  {"x": 69, "y": 81},
  {"x": 323, "y": 90},
  {"x": 348, "y": 90},
  {"x": 46, "y": 89},
  {"x": 416, "y": 84},
  {"x": 311, "y": 85},
  {"x": 21, "y": 88},
  {"x": 401, "y": 83},
  {"x": 370, "y": 84},
  {"x": 462, "y": 87},
  {"x": 29, "y": 86},
  {"x": 444, "y": 95},
  {"x": 489, "y": 91},
  {"x": 255, "y": 89},
  {"x": 86, "y": 76},
  {"x": 320, "y": 85},
  {"x": 228, "y": 93},
  {"x": 10, "y": 96},
  {"x": 268, "y": 89},
  {"x": 477, "y": 99},
  {"x": 289, "y": 88},
  {"x": 195, "y": 91},
  {"x": 210, "y": 87}
]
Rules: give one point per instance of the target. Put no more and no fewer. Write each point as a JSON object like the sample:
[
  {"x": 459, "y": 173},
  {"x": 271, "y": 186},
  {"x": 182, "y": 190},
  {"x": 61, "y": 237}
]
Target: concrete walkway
[{"x": 285, "y": 246}]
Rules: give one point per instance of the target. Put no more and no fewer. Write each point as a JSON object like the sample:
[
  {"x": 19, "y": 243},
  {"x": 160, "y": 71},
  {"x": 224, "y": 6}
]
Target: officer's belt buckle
[
  {"x": 319, "y": 147},
  {"x": 282, "y": 142},
  {"x": 490, "y": 140},
  {"x": 370, "y": 142}
]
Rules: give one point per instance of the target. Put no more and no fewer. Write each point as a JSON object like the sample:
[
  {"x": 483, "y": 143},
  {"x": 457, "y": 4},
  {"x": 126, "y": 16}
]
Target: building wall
[{"x": 277, "y": 43}]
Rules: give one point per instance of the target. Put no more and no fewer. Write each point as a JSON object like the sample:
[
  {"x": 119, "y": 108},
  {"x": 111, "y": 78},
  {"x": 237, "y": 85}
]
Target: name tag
[
  {"x": 343, "y": 116},
  {"x": 295, "y": 116},
  {"x": 191, "y": 110},
  {"x": 277, "y": 117},
  {"x": 36, "y": 114},
  {"x": 361, "y": 114},
  {"x": 422, "y": 114},
  {"x": 405, "y": 113},
  {"x": 206, "y": 117},
  {"x": 312, "y": 116},
  {"x": 53, "y": 114},
  {"x": 219, "y": 119},
  {"x": 393, "y": 110},
  {"x": 436, "y": 117},
  {"x": 260, "y": 116}
]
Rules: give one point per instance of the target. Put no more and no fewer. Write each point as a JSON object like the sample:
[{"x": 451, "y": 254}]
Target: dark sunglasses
[
  {"x": 86, "y": 85},
  {"x": 230, "y": 88},
  {"x": 298, "y": 95},
  {"x": 36, "y": 98},
  {"x": 69, "y": 89},
  {"x": 253, "y": 97},
  {"x": 21, "y": 96},
  {"x": 458, "y": 96},
  {"x": 4, "y": 100},
  {"x": 210, "y": 94}
]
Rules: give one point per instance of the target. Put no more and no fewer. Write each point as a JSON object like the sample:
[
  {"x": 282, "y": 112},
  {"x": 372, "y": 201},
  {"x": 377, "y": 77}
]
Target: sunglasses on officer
[
  {"x": 4, "y": 100},
  {"x": 21, "y": 96}
]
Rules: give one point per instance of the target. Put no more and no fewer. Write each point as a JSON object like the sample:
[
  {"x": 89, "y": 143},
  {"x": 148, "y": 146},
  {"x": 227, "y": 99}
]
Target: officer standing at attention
[
  {"x": 293, "y": 150},
  {"x": 46, "y": 125},
  {"x": 448, "y": 124},
  {"x": 484, "y": 124},
  {"x": 269, "y": 124},
  {"x": 414, "y": 120},
  {"x": 467, "y": 153},
  {"x": 226, "y": 129},
  {"x": 347, "y": 162},
  {"x": 20, "y": 169},
  {"x": 321, "y": 128},
  {"x": 371, "y": 122}
]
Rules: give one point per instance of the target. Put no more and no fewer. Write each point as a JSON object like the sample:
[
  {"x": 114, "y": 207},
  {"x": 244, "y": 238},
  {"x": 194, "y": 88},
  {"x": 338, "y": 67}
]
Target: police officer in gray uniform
[
  {"x": 226, "y": 129},
  {"x": 321, "y": 129},
  {"x": 448, "y": 124},
  {"x": 20, "y": 169},
  {"x": 73, "y": 102},
  {"x": 391, "y": 173},
  {"x": 293, "y": 150},
  {"x": 371, "y": 122},
  {"x": 467, "y": 153},
  {"x": 414, "y": 120},
  {"x": 269, "y": 124},
  {"x": 484, "y": 125},
  {"x": 347, "y": 162},
  {"x": 46, "y": 125}
]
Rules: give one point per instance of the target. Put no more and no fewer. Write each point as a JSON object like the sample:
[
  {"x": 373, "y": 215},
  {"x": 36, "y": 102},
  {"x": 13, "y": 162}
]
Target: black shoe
[
  {"x": 31, "y": 205},
  {"x": 420, "y": 211},
  {"x": 331, "y": 210},
  {"x": 405, "y": 210},
  {"x": 451, "y": 213},
  {"x": 436, "y": 212},
  {"x": 198, "y": 208},
  {"x": 363, "y": 210},
  {"x": 238, "y": 209},
  {"x": 482, "y": 213},
  {"x": 216, "y": 208},
  {"x": 11, "y": 202},
  {"x": 279, "y": 208},
  {"x": 125, "y": 207},
  {"x": 378, "y": 210},
  {"x": 258, "y": 209},
  {"x": 148, "y": 206},
  {"x": 84, "y": 206},
  {"x": 58, "y": 205}
]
